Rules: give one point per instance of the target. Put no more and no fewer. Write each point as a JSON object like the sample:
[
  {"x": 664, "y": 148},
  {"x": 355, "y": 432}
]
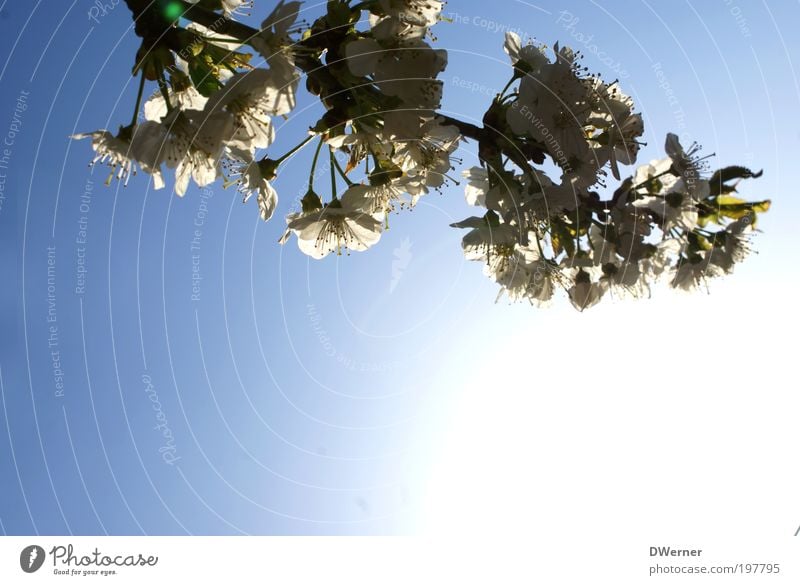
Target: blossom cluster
[
  {"x": 671, "y": 221},
  {"x": 380, "y": 90},
  {"x": 385, "y": 81},
  {"x": 374, "y": 69},
  {"x": 204, "y": 125}
]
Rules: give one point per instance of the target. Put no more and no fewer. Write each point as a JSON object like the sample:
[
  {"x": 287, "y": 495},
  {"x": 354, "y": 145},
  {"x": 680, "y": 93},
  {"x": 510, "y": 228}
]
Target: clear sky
[{"x": 168, "y": 368}]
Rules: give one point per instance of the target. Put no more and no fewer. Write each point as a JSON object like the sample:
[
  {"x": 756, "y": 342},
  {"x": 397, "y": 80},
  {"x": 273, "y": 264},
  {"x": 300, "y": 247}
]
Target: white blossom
[
  {"x": 254, "y": 178},
  {"x": 477, "y": 185},
  {"x": 339, "y": 225},
  {"x": 620, "y": 142},
  {"x": 379, "y": 198},
  {"x": 123, "y": 152},
  {"x": 585, "y": 293},
  {"x": 524, "y": 274},
  {"x": 185, "y": 98},
  {"x": 235, "y": 7},
  {"x": 487, "y": 237},
  {"x": 192, "y": 143},
  {"x": 408, "y": 72},
  {"x": 657, "y": 263},
  {"x": 252, "y": 98},
  {"x": 689, "y": 165},
  {"x": 422, "y": 13},
  {"x": 731, "y": 245},
  {"x": 274, "y": 41},
  {"x": 530, "y": 56},
  {"x": 691, "y": 273},
  {"x": 214, "y": 38},
  {"x": 232, "y": 7},
  {"x": 676, "y": 210},
  {"x": 425, "y": 159},
  {"x": 655, "y": 178},
  {"x": 546, "y": 198}
]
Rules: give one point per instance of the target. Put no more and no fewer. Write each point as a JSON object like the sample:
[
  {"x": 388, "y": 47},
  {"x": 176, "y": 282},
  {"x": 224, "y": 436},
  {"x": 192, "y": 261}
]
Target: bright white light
[{"x": 671, "y": 417}]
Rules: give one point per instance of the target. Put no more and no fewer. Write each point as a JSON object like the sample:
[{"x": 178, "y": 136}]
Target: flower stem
[
  {"x": 138, "y": 100},
  {"x": 333, "y": 174},
  {"x": 314, "y": 166},
  {"x": 505, "y": 89},
  {"x": 465, "y": 128},
  {"x": 341, "y": 171},
  {"x": 513, "y": 94},
  {"x": 295, "y": 149},
  {"x": 162, "y": 85}
]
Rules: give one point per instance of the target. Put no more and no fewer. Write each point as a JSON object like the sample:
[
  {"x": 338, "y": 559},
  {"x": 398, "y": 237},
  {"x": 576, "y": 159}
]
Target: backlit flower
[{"x": 338, "y": 226}]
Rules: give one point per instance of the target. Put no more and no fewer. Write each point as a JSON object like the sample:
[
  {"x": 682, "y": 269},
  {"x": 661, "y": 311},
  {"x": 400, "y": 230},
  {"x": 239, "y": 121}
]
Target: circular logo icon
[{"x": 31, "y": 558}]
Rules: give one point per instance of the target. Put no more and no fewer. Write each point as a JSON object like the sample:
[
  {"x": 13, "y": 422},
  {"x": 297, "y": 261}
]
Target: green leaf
[
  {"x": 203, "y": 77},
  {"x": 722, "y": 176},
  {"x": 730, "y": 207}
]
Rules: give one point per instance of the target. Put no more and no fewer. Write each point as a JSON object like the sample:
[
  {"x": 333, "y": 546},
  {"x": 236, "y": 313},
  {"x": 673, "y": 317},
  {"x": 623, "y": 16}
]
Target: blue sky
[{"x": 372, "y": 393}]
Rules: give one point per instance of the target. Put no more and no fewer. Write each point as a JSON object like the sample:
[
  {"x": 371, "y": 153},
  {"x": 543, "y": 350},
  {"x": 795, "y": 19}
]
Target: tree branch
[{"x": 466, "y": 129}]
